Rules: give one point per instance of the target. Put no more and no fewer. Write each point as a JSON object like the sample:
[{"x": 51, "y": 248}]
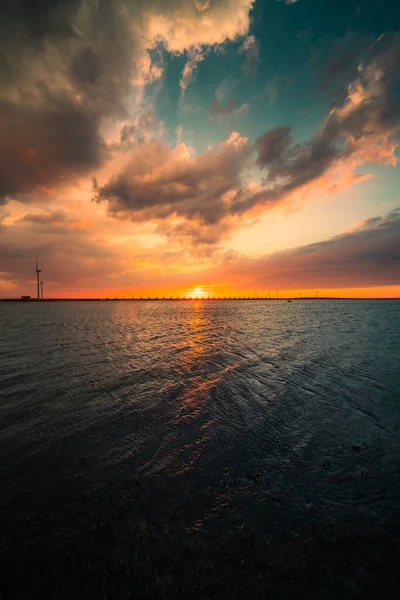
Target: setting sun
[{"x": 235, "y": 439}]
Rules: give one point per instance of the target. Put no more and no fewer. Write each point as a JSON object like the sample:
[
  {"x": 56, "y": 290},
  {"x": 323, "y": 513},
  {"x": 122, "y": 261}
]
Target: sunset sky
[{"x": 151, "y": 147}]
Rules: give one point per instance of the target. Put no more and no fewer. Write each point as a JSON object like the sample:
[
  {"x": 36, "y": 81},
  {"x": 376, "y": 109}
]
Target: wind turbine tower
[
  {"x": 41, "y": 289},
  {"x": 38, "y": 271}
]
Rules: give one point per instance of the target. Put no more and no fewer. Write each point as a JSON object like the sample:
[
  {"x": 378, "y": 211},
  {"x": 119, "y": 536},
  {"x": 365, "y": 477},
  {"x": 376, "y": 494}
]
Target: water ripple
[{"x": 236, "y": 415}]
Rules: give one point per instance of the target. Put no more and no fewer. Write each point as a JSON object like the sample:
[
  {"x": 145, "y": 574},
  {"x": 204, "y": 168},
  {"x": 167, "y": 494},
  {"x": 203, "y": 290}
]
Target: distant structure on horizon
[{"x": 39, "y": 286}]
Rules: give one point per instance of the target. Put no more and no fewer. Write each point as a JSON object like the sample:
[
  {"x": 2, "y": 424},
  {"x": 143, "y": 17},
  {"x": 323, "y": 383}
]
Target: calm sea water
[{"x": 200, "y": 449}]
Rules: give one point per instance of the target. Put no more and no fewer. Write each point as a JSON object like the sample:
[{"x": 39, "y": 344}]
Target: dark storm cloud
[{"x": 64, "y": 66}]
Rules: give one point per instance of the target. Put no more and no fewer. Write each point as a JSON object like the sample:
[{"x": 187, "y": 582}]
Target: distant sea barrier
[{"x": 170, "y": 299}]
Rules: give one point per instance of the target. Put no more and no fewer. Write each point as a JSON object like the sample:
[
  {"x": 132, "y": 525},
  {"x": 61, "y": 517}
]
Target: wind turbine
[
  {"x": 38, "y": 271},
  {"x": 41, "y": 289}
]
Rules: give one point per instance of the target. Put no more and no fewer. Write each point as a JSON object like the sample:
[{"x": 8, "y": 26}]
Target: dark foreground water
[{"x": 200, "y": 450}]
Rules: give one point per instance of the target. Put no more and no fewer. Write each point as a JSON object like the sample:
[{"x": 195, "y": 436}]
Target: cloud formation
[
  {"x": 71, "y": 255},
  {"x": 66, "y": 68},
  {"x": 158, "y": 182},
  {"x": 194, "y": 57},
  {"x": 251, "y": 49},
  {"x": 365, "y": 257},
  {"x": 73, "y": 106},
  {"x": 183, "y": 25},
  {"x": 363, "y": 127},
  {"x": 219, "y": 110}
]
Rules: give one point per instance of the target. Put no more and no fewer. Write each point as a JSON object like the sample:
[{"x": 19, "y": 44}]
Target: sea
[{"x": 200, "y": 449}]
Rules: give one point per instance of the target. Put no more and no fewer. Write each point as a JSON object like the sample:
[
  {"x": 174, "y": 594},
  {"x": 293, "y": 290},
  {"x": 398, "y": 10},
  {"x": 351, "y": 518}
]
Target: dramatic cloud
[
  {"x": 367, "y": 256},
  {"x": 363, "y": 127},
  {"x": 87, "y": 255},
  {"x": 158, "y": 182},
  {"x": 64, "y": 67},
  {"x": 42, "y": 146},
  {"x": 75, "y": 258},
  {"x": 182, "y": 25},
  {"x": 82, "y": 98},
  {"x": 68, "y": 68}
]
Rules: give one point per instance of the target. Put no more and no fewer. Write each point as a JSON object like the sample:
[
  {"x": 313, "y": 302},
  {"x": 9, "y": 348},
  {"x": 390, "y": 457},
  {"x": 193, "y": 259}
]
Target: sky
[{"x": 200, "y": 147}]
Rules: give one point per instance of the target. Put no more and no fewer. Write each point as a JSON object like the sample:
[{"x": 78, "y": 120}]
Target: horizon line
[{"x": 28, "y": 299}]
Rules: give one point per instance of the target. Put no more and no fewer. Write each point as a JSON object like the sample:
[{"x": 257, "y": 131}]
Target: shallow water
[{"x": 202, "y": 449}]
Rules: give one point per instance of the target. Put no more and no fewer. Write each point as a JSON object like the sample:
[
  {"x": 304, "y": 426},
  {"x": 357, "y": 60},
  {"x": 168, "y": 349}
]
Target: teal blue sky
[
  {"x": 306, "y": 52},
  {"x": 171, "y": 142},
  {"x": 288, "y": 83}
]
